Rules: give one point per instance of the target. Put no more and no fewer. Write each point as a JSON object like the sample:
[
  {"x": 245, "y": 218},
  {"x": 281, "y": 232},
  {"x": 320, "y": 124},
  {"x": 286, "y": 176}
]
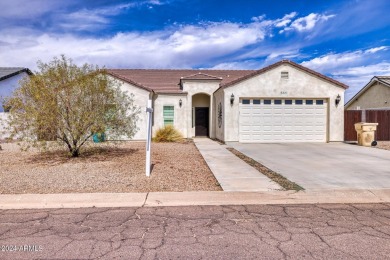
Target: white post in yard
[{"x": 149, "y": 111}]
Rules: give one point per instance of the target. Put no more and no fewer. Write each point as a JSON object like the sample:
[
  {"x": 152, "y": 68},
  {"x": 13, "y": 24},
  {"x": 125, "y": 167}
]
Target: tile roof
[
  {"x": 168, "y": 81},
  {"x": 201, "y": 76},
  {"x": 384, "y": 79},
  {"x": 7, "y": 72},
  {"x": 298, "y": 66}
]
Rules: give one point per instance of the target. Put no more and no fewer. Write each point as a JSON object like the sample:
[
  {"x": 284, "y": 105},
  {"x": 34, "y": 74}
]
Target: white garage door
[{"x": 282, "y": 120}]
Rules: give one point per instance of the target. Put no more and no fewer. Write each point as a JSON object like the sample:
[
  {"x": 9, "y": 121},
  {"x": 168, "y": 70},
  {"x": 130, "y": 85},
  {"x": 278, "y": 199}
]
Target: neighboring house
[
  {"x": 284, "y": 102},
  {"x": 375, "y": 95},
  {"x": 9, "y": 81}
]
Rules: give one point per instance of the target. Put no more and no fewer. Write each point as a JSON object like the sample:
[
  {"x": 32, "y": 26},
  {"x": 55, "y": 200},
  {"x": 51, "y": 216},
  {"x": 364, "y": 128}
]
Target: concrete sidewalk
[
  {"x": 232, "y": 173},
  {"x": 156, "y": 199}
]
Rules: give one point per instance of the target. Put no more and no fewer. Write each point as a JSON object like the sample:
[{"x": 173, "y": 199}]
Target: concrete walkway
[
  {"x": 157, "y": 199},
  {"x": 232, "y": 173}
]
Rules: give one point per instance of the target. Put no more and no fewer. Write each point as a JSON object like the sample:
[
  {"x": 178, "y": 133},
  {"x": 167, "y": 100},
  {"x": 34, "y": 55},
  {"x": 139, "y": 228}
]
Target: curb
[{"x": 159, "y": 199}]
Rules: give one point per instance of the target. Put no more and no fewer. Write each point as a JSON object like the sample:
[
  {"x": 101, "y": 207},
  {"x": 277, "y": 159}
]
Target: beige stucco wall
[
  {"x": 182, "y": 115},
  {"x": 193, "y": 87},
  {"x": 376, "y": 96},
  {"x": 180, "y": 120},
  {"x": 299, "y": 85},
  {"x": 141, "y": 97}
]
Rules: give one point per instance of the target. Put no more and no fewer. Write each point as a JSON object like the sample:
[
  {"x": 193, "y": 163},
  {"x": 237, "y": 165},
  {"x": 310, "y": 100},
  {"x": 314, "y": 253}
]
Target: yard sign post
[{"x": 149, "y": 111}]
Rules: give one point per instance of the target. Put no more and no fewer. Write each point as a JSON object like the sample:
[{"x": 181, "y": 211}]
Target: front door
[{"x": 201, "y": 121}]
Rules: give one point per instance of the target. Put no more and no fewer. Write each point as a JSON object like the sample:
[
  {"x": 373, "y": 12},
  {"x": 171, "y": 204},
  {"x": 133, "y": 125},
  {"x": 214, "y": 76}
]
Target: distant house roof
[
  {"x": 8, "y": 72},
  {"x": 385, "y": 80},
  {"x": 168, "y": 81}
]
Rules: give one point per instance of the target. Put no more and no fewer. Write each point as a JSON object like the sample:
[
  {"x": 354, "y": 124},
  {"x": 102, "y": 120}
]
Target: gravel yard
[{"x": 119, "y": 168}]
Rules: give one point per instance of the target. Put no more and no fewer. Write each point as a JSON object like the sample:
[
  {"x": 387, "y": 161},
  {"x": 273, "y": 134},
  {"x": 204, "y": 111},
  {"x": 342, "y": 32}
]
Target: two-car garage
[
  {"x": 283, "y": 120},
  {"x": 284, "y": 102}
]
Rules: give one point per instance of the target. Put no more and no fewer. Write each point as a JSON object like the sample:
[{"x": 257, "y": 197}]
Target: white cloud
[
  {"x": 92, "y": 19},
  {"x": 306, "y": 23},
  {"x": 357, "y": 77},
  {"x": 285, "y": 20},
  {"x": 239, "y": 65},
  {"x": 332, "y": 61},
  {"x": 374, "y": 50},
  {"x": 282, "y": 54},
  {"x": 352, "y": 68},
  {"x": 27, "y": 9},
  {"x": 184, "y": 46},
  {"x": 379, "y": 69},
  {"x": 175, "y": 46},
  {"x": 259, "y": 18}
]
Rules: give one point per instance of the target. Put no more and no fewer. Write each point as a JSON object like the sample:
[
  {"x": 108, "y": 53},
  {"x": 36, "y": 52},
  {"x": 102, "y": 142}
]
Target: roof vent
[{"x": 284, "y": 75}]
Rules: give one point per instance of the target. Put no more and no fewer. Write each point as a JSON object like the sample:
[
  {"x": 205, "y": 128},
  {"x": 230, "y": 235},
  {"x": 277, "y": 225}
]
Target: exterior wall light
[
  {"x": 232, "y": 99},
  {"x": 337, "y": 100},
  {"x": 180, "y": 103}
]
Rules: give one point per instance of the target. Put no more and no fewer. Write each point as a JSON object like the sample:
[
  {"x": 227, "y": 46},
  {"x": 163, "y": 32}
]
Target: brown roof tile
[
  {"x": 168, "y": 81},
  {"x": 201, "y": 76}
]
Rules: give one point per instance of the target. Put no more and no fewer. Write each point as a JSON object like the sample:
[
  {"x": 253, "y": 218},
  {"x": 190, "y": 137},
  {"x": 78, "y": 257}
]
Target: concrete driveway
[{"x": 317, "y": 166}]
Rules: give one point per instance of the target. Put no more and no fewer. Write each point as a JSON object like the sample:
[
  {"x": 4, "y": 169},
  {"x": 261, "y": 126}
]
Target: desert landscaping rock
[{"x": 102, "y": 168}]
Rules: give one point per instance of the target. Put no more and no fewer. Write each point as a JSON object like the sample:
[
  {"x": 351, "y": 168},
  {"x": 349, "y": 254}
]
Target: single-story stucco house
[
  {"x": 374, "y": 95},
  {"x": 9, "y": 81},
  {"x": 284, "y": 102}
]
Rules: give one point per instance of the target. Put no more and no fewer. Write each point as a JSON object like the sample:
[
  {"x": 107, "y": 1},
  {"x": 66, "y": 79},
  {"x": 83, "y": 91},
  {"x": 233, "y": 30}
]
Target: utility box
[{"x": 365, "y": 133}]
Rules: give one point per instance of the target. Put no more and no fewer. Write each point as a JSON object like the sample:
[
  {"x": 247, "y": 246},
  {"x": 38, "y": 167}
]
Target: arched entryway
[{"x": 201, "y": 114}]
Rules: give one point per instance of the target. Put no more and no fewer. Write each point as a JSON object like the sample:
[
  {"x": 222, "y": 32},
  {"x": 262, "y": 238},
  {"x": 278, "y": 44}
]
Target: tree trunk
[{"x": 75, "y": 153}]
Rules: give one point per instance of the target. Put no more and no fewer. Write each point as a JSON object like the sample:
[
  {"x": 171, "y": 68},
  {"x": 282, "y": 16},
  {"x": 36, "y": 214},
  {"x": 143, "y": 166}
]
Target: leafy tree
[{"x": 69, "y": 104}]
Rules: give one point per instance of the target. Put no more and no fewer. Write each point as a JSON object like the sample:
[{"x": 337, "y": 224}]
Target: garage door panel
[{"x": 283, "y": 122}]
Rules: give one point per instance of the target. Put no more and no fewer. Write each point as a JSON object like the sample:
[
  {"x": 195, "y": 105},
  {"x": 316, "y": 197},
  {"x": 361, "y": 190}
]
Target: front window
[{"x": 168, "y": 114}]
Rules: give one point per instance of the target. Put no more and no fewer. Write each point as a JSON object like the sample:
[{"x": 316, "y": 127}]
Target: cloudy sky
[{"x": 348, "y": 40}]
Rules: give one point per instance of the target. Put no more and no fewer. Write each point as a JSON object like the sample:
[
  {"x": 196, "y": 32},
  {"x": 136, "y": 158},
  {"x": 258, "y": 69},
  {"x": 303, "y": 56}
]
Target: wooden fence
[{"x": 382, "y": 117}]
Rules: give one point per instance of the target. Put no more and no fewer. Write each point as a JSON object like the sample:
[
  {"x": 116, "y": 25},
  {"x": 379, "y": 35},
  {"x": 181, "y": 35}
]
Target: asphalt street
[{"x": 319, "y": 231}]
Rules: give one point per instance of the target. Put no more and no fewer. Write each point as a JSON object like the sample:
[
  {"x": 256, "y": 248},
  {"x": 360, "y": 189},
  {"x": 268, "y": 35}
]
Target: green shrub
[{"x": 167, "y": 134}]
